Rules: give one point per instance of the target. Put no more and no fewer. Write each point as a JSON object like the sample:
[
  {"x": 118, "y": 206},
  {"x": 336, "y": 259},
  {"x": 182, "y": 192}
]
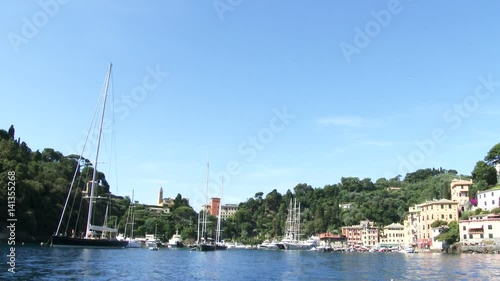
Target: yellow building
[
  {"x": 411, "y": 226},
  {"x": 431, "y": 211},
  {"x": 228, "y": 210},
  {"x": 460, "y": 192},
  {"x": 393, "y": 235}
]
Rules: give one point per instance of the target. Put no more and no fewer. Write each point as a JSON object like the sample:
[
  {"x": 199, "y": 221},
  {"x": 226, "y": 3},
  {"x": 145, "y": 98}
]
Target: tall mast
[
  {"x": 298, "y": 224},
  {"x": 294, "y": 214},
  {"x": 198, "y": 239},
  {"x": 217, "y": 239},
  {"x": 205, "y": 213},
  {"x": 94, "y": 174},
  {"x": 133, "y": 216}
]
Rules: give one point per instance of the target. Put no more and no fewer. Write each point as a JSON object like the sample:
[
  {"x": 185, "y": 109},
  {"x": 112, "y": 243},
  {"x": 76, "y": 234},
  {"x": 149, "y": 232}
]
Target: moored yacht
[{"x": 176, "y": 240}]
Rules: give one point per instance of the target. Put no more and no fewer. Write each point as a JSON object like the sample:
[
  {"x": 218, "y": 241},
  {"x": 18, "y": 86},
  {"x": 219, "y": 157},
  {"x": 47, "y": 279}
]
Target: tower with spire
[{"x": 160, "y": 197}]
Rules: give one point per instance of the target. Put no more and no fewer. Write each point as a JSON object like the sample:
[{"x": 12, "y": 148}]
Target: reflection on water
[{"x": 40, "y": 263}]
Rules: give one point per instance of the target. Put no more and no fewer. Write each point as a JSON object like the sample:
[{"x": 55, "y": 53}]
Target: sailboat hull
[
  {"x": 69, "y": 242},
  {"x": 206, "y": 248},
  {"x": 220, "y": 247},
  {"x": 134, "y": 244}
]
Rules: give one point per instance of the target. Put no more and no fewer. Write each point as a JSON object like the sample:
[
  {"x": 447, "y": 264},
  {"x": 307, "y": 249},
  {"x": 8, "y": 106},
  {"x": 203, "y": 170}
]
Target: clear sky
[{"x": 280, "y": 92}]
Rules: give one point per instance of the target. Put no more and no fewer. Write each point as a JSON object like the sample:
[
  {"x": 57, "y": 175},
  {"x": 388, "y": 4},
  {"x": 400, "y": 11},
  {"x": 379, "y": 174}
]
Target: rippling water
[{"x": 41, "y": 263}]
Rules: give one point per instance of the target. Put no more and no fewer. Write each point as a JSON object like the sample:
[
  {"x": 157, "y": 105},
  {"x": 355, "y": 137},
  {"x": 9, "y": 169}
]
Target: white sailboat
[
  {"x": 219, "y": 243},
  {"x": 292, "y": 237},
  {"x": 132, "y": 242},
  {"x": 94, "y": 236},
  {"x": 205, "y": 244}
]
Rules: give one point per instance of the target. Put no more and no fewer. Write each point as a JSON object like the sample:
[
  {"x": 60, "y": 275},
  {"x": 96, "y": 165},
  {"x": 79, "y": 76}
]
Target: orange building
[{"x": 214, "y": 206}]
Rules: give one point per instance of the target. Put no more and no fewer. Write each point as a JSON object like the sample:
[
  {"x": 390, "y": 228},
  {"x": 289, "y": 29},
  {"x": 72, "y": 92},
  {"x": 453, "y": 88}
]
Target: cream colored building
[
  {"x": 460, "y": 192},
  {"x": 393, "y": 235},
  {"x": 431, "y": 211},
  {"x": 480, "y": 228},
  {"x": 411, "y": 226},
  {"x": 228, "y": 210},
  {"x": 370, "y": 235}
]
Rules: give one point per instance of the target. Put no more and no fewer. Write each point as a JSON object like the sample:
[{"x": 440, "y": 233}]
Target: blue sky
[{"x": 280, "y": 92}]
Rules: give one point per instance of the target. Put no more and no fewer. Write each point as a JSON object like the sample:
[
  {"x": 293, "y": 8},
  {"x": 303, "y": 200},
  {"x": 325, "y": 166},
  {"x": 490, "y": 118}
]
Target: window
[
  {"x": 481, "y": 235},
  {"x": 442, "y": 216},
  {"x": 464, "y": 228},
  {"x": 485, "y": 203},
  {"x": 449, "y": 206},
  {"x": 492, "y": 193},
  {"x": 490, "y": 226},
  {"x": 470, "y": 236},
  {"x": 493, "y": 202},
  {"x": 465, "y": 236},
  {"x": 450, "y": 216},
  {"x": 442, "y": 206},
  {"x": 490, "y": 235}
]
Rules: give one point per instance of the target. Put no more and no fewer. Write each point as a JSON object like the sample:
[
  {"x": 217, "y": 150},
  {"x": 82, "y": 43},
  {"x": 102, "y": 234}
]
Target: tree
[
  {"x": 438, "y": 223},
  {"x": 483, "y": 171},
  {"x": 450, "y": 236},
  {"x": 445, "y": 191},
  {"x": 258, "y": 195},
  {"x": 494, "y": 153},
  {"x": 12, "y": 132},
  {"x": 180, "y": 202}
]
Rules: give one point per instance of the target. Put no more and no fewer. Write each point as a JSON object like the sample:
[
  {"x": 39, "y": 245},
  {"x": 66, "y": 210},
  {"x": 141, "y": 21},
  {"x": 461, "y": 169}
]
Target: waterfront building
[
  {"x": 333, "y": 241},
  {"x": 364, "y": 234},
  {"x": 393, "y": 235},
  {"x": 480, "y": 229},
  {"x": 437, "y": 245},
  {"x": 411, "y": 226},
  {"x": 430, "y": 211}
]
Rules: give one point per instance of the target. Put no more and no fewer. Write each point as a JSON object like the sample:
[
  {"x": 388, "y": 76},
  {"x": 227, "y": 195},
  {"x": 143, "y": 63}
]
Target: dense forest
[
  {"x": 42, "y": 181},
  {"x": 43, "y": 178}
]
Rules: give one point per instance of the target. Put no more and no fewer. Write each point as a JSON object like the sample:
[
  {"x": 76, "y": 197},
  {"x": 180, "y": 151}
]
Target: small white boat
[
  {"x": 407, "y": 250},
  {"x": 153, "y": 248},
  {"x": 176, "y": 241},
  {"x": 266, "y": 245}
]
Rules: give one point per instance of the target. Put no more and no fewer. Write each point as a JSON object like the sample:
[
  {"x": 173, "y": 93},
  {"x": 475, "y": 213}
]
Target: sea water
[{"x": 43, "y": 263}]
